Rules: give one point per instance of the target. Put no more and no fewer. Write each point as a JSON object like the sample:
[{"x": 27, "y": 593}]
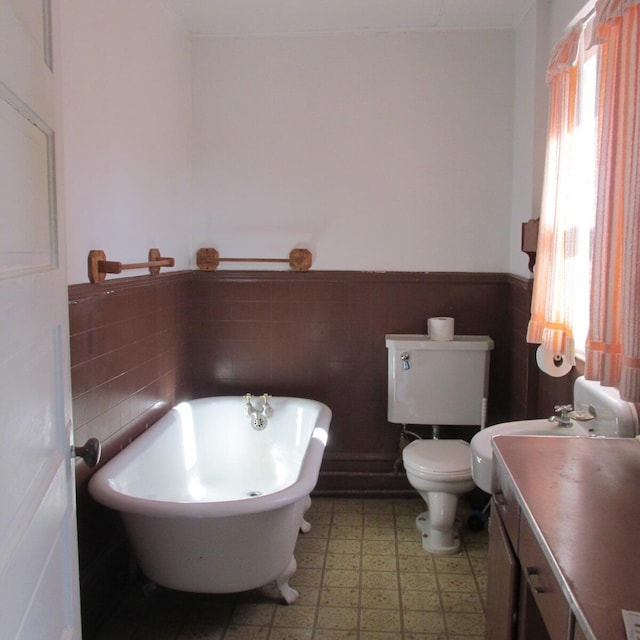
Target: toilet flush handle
[{"x": 404, "y": 356}]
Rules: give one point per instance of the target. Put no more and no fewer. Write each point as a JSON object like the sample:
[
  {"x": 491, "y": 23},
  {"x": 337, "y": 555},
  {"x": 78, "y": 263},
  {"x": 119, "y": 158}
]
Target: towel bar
[
  {"x": 99, "y": 266},
  {"x": 208, "y": 259}
]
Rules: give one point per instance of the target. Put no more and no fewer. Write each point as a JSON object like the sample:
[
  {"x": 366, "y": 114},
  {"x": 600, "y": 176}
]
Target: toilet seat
[{"x": 438, "y": 459}]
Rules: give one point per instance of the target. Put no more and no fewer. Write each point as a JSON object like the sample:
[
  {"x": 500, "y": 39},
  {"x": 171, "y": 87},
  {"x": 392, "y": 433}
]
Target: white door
[{"x": 38, "y": 549}]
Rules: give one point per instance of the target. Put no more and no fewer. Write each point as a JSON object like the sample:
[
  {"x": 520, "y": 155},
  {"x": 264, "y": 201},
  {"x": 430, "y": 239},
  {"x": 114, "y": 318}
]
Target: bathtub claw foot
[
  {"x": 289, "y": 594},
  {"x": 305, "y": 525}
]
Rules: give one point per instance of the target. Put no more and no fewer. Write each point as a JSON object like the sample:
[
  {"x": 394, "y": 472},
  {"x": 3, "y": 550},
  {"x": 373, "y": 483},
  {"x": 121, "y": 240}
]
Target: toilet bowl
[{"x": 440, "y": 471}]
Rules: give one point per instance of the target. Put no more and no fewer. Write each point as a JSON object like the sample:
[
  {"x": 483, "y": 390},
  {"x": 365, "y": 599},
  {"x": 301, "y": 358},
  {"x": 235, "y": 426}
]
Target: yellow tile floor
[{"x": 362, "y": 575}]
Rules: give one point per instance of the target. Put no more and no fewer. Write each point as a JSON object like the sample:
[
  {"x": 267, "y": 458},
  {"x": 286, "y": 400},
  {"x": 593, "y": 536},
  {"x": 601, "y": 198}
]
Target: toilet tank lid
[{"x": 423, "y": 341}]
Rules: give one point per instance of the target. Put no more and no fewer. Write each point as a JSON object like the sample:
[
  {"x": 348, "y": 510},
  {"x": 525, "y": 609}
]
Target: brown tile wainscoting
[
  {"x": 141, "y": 344},
  {"x": 322, "y": 335},
  {"x": 129, "y": 341},
  {"x": 129, "y": 365}
]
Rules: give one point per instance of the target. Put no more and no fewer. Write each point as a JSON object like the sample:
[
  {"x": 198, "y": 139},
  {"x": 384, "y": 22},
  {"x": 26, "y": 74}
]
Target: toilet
[{"x": 438, "y": 383}]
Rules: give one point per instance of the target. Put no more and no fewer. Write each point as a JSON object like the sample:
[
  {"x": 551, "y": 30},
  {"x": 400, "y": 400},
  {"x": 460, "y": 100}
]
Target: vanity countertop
[{"x": 581, "y": 497}]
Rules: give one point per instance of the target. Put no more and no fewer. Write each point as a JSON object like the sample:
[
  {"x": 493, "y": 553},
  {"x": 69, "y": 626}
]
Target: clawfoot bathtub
[{"x": 210, "y": 503}]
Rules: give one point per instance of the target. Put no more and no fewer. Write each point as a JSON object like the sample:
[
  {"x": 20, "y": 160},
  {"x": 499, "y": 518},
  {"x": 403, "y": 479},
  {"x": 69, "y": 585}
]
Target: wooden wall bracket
[
  {"x": 529, "y": 240},
  {"x": 99, "y": 266},
  {"x": 208, "y": 259}
]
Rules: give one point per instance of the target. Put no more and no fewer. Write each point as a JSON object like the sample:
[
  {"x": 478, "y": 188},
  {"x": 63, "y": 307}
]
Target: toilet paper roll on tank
[{"x": 440, "y": 329}]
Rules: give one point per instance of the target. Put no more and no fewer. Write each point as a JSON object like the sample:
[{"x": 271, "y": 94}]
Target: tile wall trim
[{"x": 84, "y": 291}]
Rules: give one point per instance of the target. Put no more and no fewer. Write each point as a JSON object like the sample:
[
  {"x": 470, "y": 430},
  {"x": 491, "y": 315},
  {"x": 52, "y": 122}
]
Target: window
[
  {"x": 584, "y": 189},
  {"x": 560, "y": 305},
  {"x": 604, "y": 81}
]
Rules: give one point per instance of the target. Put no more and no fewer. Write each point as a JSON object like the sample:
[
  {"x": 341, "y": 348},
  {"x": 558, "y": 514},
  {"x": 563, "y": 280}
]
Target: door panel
[
  {"x": 39, "y": 594},
  {"x": 25, "y": 60},
  {"x": 25, "y": 174}
]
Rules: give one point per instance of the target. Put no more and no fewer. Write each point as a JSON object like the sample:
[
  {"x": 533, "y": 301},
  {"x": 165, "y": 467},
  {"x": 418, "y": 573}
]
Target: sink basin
[
  {"x": 612, "y": 417},
  {"x": 482, "y": 452}
]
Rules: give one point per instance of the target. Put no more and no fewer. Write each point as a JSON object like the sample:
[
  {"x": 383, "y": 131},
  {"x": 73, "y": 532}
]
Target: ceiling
[{"x": 281, "y": 17}]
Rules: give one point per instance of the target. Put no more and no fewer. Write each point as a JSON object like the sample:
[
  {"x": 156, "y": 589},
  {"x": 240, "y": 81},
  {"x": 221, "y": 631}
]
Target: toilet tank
[
  {"x": 612, "y": 416},
  {"x": 438, "y": 382}
]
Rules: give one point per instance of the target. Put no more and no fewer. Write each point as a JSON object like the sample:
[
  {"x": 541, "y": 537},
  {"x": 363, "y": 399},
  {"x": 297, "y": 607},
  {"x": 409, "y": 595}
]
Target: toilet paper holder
[{"x": 555, "y": 365}]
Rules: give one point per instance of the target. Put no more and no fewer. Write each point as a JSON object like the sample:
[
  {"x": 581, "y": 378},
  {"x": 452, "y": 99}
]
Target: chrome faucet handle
[
  {"x": 563, "y": 418},
  {"x": 267, "y": 410},
  {"x": 248, "y": 407},
  {"x": 563, "y": 408}
]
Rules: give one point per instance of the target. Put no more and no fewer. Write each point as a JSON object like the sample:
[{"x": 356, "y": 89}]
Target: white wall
[
  {"x": 565, "y": 13},
  {"x": 126, "y": 96},
  {"x": 416, "y": 151},
  {"x": 531, "y": 99},
  {"x": 543, "y": 25},
  {"x": 376, "y": 151}
]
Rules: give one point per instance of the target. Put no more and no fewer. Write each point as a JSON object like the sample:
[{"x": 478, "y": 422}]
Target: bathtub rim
[{"x": 102, "y": 491}]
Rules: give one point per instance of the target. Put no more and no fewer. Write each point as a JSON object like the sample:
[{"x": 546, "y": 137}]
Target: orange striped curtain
[
  {"x": 551, "y": 308},
  {"x": 613, "y": 343}
]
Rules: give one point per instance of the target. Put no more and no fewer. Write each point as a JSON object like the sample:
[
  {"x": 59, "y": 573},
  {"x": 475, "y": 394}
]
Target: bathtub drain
[{"x": 254, "y": 494}]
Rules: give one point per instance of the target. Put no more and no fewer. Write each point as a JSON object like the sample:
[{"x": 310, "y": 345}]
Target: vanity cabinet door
[
  {"x": 505, "y": 501},
  {"x": 542, "y": 584},
  {"x": 502, "y": 583}
]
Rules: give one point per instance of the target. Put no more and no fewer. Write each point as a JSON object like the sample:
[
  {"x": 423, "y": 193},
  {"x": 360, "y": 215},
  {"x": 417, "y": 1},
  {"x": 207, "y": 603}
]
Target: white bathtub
[{"x": 213, "y": 505}]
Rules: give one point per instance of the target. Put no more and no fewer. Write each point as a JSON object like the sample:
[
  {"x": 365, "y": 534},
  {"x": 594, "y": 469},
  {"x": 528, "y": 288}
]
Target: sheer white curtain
[
  {"x": 613, "y": 343},
  {"x": 551, "y": 323}
]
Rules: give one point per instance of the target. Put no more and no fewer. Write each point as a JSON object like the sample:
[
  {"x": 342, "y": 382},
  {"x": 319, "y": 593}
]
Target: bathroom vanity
[{"x": 563, "y": 552}]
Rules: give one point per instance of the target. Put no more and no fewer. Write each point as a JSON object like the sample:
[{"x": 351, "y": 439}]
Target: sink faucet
[{"x": 563, "y": 418}]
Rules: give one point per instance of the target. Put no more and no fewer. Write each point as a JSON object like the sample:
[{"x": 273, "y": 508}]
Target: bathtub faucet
[{"x": 266, "y": 410}]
